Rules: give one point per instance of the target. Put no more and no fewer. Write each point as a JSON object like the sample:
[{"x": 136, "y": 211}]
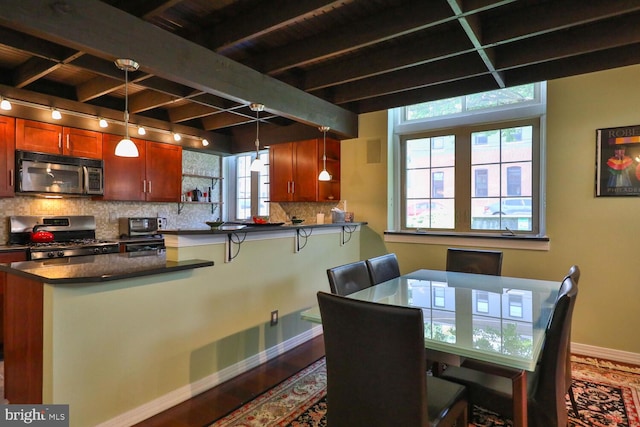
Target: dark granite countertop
[
  {"x": 256, "y": 228},
  {"x": 100, "y": 268}
]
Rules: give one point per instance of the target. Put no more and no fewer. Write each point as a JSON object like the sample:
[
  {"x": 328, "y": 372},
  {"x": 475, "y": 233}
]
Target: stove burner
[{"x": 72, "y": 248}]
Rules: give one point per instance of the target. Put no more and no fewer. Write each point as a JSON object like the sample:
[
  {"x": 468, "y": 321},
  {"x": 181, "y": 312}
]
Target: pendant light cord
[
  {"x": 126, "y": 103},
  {"x": 324, "y": 151},
  {"x": 257, "y": 133}
]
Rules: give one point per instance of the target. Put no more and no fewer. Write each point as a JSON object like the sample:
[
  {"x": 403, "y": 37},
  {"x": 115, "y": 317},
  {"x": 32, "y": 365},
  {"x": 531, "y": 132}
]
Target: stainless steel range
[{"x": 72, "y": 236}]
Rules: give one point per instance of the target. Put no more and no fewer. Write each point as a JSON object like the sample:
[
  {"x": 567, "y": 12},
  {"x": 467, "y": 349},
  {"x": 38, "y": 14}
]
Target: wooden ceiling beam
[
  {"x": 223, "y": 120},
  {"x": 546, "y": 17},
  {"x": 384, "y": 26},
  {"x": 473, "y": 29},
  {"x": 97, "y": 87},
  {"x": 416, "y": 51},
  {"x": 430, "y": 93},
  {"x": 456, "y": 68},
  {"x": 33, "y": 69},
  {"x": 149, "y": 99},
  {"x": 96, "y": 28},
  {"x": 584, "y": 39},
  {"x": 262, "y": 18},
  {"x": 189, "y": 112}
]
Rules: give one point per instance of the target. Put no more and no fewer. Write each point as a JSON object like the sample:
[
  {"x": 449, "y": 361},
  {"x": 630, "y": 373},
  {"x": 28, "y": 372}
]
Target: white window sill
[{"x": 532, "y": 243}]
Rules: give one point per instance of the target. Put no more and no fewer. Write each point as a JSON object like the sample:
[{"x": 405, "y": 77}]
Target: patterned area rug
[{"x": 607, "y": 395}]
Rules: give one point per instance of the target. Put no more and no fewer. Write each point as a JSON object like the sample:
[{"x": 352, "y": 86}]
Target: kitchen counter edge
[
  {"x": 249, "y": 228},
  {"x": 102, "y": 268}
]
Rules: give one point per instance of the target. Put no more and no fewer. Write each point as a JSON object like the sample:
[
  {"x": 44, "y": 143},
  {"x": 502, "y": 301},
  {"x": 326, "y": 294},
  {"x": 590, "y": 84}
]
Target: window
[
  {"x": 472, "y": 163},
  {"x": 515, "y": 306},
  {"x": 438, "y": 297},
  {"x": 482, "y": 301},
  {"x": 249, "y": 194}
]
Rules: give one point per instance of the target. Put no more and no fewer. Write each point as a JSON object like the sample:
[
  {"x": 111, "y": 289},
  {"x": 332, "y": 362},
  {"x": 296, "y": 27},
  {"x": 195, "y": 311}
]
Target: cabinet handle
[
  {"x": 67, "y": 141},
  {"x": 288, "y": 187},
  {"x": 144, "y": 185},
  {"x": 11, "y": 178},
  {"x": 293, "y": 186},
  {"x": 149, "y": 186},
  {"x": 60, "y": 141}
]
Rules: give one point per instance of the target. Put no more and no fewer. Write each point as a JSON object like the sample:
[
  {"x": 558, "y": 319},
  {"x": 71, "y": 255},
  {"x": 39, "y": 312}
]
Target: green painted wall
[
  {"x": 113, "y": 347},
  {"x": 598, "y": 234}
]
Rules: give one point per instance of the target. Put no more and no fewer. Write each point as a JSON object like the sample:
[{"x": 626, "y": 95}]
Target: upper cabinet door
[
  {"x": 82, "y": 143},
  {"x": 54, "y": 139},
  {"x": 306, "y": 171},
  {"x": 38, "y": 136},
  {"x": 7, "y": 156},
  {"x": 123, "y": 176},
  {"x": 281, "y": 172},
  {"x": 164, "y": 172}
]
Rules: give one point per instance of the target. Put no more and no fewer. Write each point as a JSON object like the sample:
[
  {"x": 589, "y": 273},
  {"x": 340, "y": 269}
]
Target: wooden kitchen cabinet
[
  {"x": 7, "y": 256},
  {"x": 154, "y": 176},
  {"x": 55, "y": 139},
  {"x": 7, "y": 156},
  {"x": 294, "y": 168}
]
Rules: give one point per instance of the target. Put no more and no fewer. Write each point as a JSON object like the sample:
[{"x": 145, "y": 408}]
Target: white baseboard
[
  {"x": 606, "y": 353},
  {"x": 184, "y": 393}
]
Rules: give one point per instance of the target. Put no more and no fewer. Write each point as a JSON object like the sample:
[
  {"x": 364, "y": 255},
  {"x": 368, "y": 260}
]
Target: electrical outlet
[{"x": 274, "y": 317}]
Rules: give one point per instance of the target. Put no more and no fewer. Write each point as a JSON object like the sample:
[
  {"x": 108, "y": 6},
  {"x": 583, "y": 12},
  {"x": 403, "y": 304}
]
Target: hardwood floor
[{"x": 217, "y": 402}]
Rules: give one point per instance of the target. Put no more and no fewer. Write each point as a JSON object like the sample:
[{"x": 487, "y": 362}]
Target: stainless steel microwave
[
  {"x": 41, "y": 173},
  {"x": 131, "y": 227}
]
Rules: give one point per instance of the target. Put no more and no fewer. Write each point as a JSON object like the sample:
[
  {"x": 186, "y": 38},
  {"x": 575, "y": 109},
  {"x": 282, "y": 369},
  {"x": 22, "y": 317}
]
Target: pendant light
[
  {"x": 126, "y": 147},
  {"x": 257, "y": 164},
  {"x": 324, "y": 175},
  {"x": 5, "y": 105}
]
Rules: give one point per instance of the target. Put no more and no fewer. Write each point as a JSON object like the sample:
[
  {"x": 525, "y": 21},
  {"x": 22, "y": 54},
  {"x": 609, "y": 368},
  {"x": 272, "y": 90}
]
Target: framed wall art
[{"x": 618, "y": 161}]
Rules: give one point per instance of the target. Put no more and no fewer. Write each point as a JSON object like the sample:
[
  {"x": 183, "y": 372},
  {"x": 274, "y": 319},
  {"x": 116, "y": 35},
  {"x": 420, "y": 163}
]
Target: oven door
[{"x": 143, "y": 246}]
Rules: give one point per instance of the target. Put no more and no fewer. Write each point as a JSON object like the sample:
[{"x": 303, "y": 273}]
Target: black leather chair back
[
  {"x": 376, "y": 368},
  {"x": 474, "y": 261},
  {"x": 349, "y": 278},
  {"x": 574, "y": 273},
  {"x": 547, "y": 405},
  {"x": 383, "y": 268}
]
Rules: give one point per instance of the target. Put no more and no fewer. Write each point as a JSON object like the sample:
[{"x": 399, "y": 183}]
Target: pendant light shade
[
  {"x": 126, "y": 147},
  {"x": 5, "y": 105},
  {"x": 257, "y": 165},
  {"x": 324, "y": 175}
]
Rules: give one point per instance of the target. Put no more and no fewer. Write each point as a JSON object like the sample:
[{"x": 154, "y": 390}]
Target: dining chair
[
  {"x": 383, "y": 268},
  {"x": 349, "y": 278},
  {"x": 574, "y": 273},
  {"x": 376, "y": 370},
  {"x": 474, "y": 261},
  {"x": 546, "y": 388}
]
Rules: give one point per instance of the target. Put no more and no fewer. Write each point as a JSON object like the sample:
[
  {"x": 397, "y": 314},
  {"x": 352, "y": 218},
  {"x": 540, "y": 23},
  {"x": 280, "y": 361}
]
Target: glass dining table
[{"x": 496, "y": 319}]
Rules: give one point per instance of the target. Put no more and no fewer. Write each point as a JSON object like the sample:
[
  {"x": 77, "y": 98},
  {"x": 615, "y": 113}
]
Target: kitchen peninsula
[
  {"x": 37, "y": 316},
  {"x": 120, "y": 346}
]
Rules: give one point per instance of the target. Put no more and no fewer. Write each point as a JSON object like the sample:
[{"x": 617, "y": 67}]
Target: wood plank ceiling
[{"x": 311, "y": 62}]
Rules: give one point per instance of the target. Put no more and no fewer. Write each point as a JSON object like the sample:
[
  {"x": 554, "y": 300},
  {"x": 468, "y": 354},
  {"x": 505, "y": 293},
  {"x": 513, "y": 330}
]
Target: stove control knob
[
  {"x": 60, "y": 253},
  {"x": 96, "y": 250},
  {"x": 105, "y": 250},
  {"x": 50, "y": 254}
]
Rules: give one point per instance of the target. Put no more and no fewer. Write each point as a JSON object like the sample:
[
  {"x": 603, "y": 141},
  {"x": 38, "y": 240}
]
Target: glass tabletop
[{"x": 495, "y": 319}]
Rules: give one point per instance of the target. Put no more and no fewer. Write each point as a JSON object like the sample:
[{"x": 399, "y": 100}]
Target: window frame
[
  {"x": 257, "y": 178},
  {"x": 530, "y": 112}
]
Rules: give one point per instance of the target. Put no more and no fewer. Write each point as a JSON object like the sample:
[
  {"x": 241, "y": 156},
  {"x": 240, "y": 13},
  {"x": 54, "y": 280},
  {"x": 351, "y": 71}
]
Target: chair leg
[{"x": 573, "y": 402}]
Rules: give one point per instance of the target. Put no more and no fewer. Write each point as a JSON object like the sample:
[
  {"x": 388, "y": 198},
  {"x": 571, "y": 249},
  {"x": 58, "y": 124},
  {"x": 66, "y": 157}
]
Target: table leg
[{"x": 519, "y": 389}]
